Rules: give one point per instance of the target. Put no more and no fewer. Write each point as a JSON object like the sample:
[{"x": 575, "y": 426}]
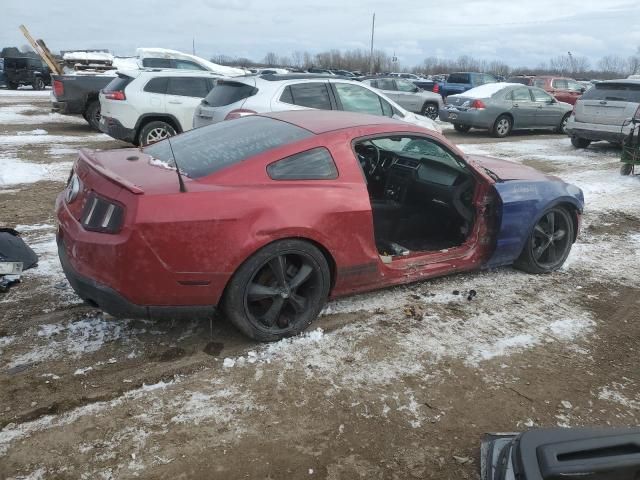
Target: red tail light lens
[
  {"x": 58, "y": 88},
  {"x": 115, "y": 95},
  {"x": 102, "y": 215},
  {"x": 436, "y": 88},
  {"x": 240, "y": 112},
  {"x": 478, "y": 104}
]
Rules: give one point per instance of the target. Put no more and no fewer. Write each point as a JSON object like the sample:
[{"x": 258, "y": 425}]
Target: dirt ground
[{"x": 395, "y": 384}]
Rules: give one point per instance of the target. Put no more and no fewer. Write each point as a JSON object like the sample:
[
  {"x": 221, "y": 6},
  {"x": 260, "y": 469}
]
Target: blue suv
[{"x": 460, "y": 82}]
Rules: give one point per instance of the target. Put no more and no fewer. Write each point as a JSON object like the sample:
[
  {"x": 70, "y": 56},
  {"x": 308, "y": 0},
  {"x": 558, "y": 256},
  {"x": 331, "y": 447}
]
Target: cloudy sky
[{"x": 520, "y": 32}]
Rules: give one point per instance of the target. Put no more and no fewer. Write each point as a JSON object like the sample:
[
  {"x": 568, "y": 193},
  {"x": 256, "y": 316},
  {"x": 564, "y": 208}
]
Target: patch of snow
[
  {"x": 21, "y": 115},
  {"x": 16, "y": 172},
  {"x": 83, "y": 371},
  {"x": 40, "y": 139},
  {"x": 37, "y": 131},
  {"x": 160, "y": 163},
  {"x": 613, "y": 393}
]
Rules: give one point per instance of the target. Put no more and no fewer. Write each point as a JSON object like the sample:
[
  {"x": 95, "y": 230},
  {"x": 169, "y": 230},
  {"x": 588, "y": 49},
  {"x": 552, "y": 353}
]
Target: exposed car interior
[{"x": 421, "y": 194}]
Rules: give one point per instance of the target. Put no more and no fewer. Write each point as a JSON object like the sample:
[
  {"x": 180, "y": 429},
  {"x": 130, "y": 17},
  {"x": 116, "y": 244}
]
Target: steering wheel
[
  {"x": 459, "y": 202},
  {"x": 369, "y": 157}
]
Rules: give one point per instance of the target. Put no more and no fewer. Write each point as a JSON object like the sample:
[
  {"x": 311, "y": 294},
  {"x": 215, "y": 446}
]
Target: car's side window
[
  {"x": 386, "y": 84},
  {"x": 188, "y": 87},
  {"x": 315, "y": 164},
  {"x": 157, "y": 62},
  {"x": 540, "y": 95},
  {"x": 557, "y": 83},
  {"x": 355, "y": 98},
  {"x": 157, "y": 85},
  {"x": 387, "y": 109},
  {"x": 538, "y": 83},
  {"x": 405, "y": 86},
  {"x": 575, "y": 86},
  {"x": 187, "y": 65},
  {"x": 521, "y": 95},
  {"x": 311, "y": 95}
]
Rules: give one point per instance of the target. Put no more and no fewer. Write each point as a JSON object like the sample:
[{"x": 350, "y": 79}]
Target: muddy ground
[{"x": 395, "y": 384}]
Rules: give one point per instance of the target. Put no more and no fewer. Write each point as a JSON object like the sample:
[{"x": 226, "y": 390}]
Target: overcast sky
[{"x": 516, "y": 31}]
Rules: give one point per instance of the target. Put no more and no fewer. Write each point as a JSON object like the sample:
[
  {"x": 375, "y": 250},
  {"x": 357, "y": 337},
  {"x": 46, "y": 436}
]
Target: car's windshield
[{"x": 205, "y": 150}]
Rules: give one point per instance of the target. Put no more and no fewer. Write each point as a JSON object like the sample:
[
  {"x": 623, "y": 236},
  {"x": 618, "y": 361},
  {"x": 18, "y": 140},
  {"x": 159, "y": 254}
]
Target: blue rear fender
[{"x": 521, "y": 205}]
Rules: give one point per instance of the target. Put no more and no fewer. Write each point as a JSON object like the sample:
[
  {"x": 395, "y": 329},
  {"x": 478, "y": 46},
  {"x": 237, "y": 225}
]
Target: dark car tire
[
  {"x": 535, "y": 257},
  {"x": 562, "y": 128},
  {"x": 502, "y": 126},
  {"x": 580, "y": 142},
  {"x": 626, "y": 169},
  {"x": 267, "y": 306},
  {"x": 92, "y": 115},
  {"x": 461, "y": 128},
  {"x": 154, "y": 132},
  {"x": 38, "y": 83},
  {"x": 430, "y": 110},
  {"x": 12, "y": 85}
]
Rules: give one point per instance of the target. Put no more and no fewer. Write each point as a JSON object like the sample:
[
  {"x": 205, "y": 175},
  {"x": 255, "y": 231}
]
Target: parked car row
[{"x": 144, "y": 106}]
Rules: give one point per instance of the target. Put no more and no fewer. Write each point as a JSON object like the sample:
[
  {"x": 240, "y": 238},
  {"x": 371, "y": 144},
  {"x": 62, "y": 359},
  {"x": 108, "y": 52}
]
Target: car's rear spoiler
[{"x": 87, "y": 157}]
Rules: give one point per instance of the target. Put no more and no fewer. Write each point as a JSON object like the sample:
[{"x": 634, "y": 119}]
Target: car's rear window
[
  {"x": 226, "y": 93},
  {"x": 206, "y": 150},
  {"x": 623, "y": 92},
  {"x": 118, "y": 84},
  {"x": 521, "y": 80},
  {"x": 459, "y": 78}
]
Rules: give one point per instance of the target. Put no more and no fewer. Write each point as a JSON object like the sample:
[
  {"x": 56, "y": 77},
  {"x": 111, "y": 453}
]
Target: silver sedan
[
  {"x": 408, "y": 96},
  {"x": 504, "y": 107}
]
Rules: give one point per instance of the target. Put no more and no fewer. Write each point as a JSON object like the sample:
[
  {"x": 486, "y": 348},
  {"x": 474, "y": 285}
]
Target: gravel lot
[{"x": 396, "y": 384}]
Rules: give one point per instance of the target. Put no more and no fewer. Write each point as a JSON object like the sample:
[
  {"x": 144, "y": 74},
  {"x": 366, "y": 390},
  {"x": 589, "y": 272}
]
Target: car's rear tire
[
  {"x": 580, "y": 142},
  {"x": 626, "y": 169},
  {"x": 562, "y": 128},
  {"x": 13, "y": 85},
  {"x": 502, "y": 126},
  {"x": 430, "y": 110},
  {"x": 278, "y": 291},
  {"x": 549, "y": 242},
  {"x": 461, "y": 128},
  {"x": 92, "y": 115},
  {"x": 38, "y": 83},
  {"x": 155, "y": 131}
]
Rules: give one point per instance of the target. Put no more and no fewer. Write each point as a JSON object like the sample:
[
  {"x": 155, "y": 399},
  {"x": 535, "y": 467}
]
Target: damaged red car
[{"x": 268, "y": 216}]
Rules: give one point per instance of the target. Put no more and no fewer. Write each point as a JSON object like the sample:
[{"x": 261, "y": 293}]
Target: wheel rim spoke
[
  {"x": 551, "y": 223},
  {"x": 551, "y": 253},
  {"x": 260, "y": 292},
  {"x": 540, "y": 231},
  {"x": 271, "y": 316},
  {"x": 538, "y": 251},
  {"x": 301, "y": 277},
  {"x": 298, "y": 302},
  {"x": 279, "y": 268},
  {"x": 559, "y": 235}
]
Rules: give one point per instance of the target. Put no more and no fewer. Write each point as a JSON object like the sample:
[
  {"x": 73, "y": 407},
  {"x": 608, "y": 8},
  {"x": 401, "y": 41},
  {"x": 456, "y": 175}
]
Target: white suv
[
  {"x": 144, "y": 106},
  {"x": 239, "y": 96}
]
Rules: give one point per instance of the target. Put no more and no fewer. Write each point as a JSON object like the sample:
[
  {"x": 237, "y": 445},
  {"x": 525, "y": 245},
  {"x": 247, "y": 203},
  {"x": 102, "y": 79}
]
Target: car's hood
[
  {"x": 419, "y": 120},
  {"x": 506, "y": 170}
]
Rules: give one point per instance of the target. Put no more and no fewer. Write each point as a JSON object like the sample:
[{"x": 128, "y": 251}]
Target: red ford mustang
[{"x": 268, "y": 216}]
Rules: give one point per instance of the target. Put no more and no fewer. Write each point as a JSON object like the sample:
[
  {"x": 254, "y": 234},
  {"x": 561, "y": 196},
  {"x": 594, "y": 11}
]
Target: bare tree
[
  {"x": 613, "y": 64},
  {"x": 270, "y": 59}
]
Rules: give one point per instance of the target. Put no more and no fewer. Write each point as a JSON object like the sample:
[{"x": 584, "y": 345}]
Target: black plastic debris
[
  {"x": 561, "y": 453},
  {"x": 472, "y": 293},
  {"x": 15, "y": 257},
  {"x": 456, "y": 292}
]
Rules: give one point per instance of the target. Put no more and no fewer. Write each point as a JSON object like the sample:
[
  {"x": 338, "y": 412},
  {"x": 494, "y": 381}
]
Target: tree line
[{"x": 610, "y": 66}]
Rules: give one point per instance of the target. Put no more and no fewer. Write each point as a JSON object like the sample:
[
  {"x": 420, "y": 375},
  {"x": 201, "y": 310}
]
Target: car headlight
[{"x": 73, "y": 188}]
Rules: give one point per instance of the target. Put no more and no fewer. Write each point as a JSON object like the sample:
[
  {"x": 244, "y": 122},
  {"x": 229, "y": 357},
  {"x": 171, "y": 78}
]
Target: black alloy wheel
[
  {"x": 279, "y": 291},
  {"x": 549, "y": 243}
]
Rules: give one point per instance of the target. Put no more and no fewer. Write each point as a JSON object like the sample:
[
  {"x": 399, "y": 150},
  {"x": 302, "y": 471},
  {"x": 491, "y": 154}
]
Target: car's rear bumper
[
  {"x": 597, "y": 131},
  {"x": 66, "y": 108},
  {"x": 472, "y": 118},
  {"x": 110, "y": 301},
  {"x": 115, "y": 129}
]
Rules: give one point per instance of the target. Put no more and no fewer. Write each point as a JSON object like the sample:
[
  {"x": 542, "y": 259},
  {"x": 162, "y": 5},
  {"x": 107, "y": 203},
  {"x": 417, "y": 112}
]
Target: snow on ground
[
  {"x": 16, "y": 172},
  {"x": 6, "y": 94},
  {"x": 29, "y": 115},
  {"x": 7, "y": 140}
]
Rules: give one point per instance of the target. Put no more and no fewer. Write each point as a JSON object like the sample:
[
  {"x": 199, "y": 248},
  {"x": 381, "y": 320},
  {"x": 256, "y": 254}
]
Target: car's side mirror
[
  {"x": 552, "y": 100},
  {"x": 416, "y": 89},
  {"x": 583, "y": 89}
]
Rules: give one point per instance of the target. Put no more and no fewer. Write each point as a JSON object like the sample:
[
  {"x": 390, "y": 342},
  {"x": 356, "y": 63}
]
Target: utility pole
[
  {"x": 573, "y": 64},
  {"x": 373, "y": 27},
  {"x": 193, "y": 46}
]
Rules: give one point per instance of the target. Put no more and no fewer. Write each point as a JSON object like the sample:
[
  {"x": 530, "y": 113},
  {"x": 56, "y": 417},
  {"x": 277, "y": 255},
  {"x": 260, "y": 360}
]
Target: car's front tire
[
  {"x": 13, "y": 85},
  {"x": 562, "y": 128},
  {"x": 278, "y": 291},
  {"x": 461, "y": 128},
  {"x": 155, "y": 131},
  {"x": 502, "y": 126},
  {"x": 580, "y": 142},
  {"x": 430, "y": 110},
  {"x": 626, "y": 169},
  {"x": 38, "y": 83},
  {"x": 549, "y": 243}
]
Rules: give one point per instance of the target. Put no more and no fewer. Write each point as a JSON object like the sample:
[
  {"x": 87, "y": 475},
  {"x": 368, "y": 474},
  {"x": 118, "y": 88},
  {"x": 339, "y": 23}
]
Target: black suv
[{"x": 26, "y": 71}]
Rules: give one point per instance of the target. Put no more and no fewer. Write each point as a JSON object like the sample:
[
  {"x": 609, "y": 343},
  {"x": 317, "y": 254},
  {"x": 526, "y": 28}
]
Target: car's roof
[
  {"x": 631, "y": 81},
  {"x": 174, "y": 72},
  {"x": 274, "y": 77},
  {"x": 322, "y": 121}
]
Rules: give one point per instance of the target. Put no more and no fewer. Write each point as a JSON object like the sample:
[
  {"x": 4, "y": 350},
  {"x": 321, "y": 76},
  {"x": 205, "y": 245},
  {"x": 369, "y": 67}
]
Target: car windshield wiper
[{"x": 492, "y": 174}]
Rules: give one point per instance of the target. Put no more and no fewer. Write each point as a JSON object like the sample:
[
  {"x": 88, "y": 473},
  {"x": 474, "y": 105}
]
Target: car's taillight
[
  {"x": 436, "y": 88},
  {"x": 102, "y": 215},
  {"x": 115, "y": 95},
  {"x": 240, "y": 112},
  {"x": 58, "y": 88},
  {"x": 478, "y": 104}
]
